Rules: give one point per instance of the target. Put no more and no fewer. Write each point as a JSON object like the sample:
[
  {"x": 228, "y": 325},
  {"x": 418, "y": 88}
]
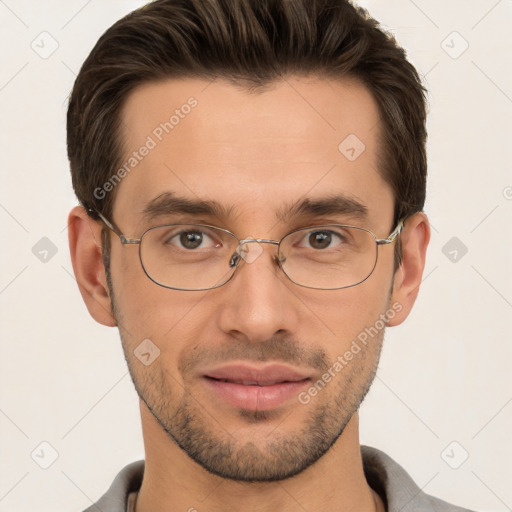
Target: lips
[
  {"x": 256, "y": 387},
  {"x": 252, "y": 382},
  {"x": 253, "y": 375}
]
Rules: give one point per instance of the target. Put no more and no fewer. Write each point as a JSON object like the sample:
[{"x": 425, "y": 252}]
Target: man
[{"x": 251, "y": 176}]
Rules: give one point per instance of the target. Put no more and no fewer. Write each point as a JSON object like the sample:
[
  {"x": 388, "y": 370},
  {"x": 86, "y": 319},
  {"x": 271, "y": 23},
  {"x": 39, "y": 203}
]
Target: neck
[{"x": 173, "y": 482}]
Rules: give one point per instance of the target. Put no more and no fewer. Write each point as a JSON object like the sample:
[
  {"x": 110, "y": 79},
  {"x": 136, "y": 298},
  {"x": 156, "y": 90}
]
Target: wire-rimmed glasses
[{"x": 194, "y": 257}]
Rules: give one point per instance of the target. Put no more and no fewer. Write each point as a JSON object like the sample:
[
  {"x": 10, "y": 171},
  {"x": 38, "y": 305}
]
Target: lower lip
[{"x": 256, "y": 397}]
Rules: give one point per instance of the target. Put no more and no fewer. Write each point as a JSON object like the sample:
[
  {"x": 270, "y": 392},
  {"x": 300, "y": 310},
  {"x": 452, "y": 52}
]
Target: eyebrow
[
  {"x": 335, "y": 204},
  {"x": 168, "y": 203}
]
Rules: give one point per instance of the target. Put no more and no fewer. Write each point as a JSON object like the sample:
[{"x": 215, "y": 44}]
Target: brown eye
[
  {"x": 191, "y": 239},
  {"x": 320, "y": 239}
]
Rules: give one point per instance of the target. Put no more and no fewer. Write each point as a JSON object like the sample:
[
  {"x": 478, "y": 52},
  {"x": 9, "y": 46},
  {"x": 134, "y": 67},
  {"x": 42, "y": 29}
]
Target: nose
[{"x": 258, "y": 303}]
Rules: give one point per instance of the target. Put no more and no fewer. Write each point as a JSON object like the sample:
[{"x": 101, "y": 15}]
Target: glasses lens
[
  {"x": 188, "y": 256},
  {"x": 328, "y": 257}
]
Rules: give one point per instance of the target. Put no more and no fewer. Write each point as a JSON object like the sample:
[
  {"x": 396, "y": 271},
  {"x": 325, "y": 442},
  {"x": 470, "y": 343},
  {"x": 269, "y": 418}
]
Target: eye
[
  {"x": 192, "y": 239},
  {"x": 321, "y": 239}
]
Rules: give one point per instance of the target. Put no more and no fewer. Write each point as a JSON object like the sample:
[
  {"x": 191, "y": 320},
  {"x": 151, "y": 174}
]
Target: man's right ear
[{"x": 85, "y": 247}]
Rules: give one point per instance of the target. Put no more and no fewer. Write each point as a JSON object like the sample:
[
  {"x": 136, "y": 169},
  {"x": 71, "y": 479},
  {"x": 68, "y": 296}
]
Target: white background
[{"x": 445, "y": 374}]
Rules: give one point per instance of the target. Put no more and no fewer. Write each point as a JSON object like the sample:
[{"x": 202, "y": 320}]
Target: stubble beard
[{"x": 283, "y": 454}]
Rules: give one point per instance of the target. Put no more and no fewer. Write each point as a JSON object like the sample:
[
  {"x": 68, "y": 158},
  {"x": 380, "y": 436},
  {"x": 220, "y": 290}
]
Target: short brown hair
[{"x": 251, "y": 43}]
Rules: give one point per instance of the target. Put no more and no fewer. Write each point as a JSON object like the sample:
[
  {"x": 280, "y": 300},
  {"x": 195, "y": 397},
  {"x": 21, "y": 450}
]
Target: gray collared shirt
[{"x": 384, "y": 475}]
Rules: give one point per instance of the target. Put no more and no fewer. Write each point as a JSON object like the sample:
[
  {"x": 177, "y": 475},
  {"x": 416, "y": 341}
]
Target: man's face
[{"x": 255, "y": 155}]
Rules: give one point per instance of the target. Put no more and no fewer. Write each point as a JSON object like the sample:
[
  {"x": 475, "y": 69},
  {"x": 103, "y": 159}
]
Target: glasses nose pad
[
  {"x": 233, "y": 262},
  {"x": 245, "y": 252}
]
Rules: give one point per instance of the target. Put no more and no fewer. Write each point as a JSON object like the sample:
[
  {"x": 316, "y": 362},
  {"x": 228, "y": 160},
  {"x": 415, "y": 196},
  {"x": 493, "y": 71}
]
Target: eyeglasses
[{"x": 194, "y": 257}]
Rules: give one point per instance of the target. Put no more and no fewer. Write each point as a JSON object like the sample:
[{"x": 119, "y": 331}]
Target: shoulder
[
  {"x": 129, "y": 479},
  {"x": 396, "y": 486}
]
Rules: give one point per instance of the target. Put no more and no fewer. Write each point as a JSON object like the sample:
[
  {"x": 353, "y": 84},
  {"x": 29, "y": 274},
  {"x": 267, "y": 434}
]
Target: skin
[{"x": 256, "y": 153}]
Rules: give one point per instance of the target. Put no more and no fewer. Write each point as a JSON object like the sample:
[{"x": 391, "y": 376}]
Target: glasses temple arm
[
  {"x": 392, "y": 235},
  {"x": 114, "y": 229}
]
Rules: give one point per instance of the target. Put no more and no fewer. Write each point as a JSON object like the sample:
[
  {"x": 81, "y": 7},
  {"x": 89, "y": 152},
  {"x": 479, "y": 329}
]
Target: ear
[
  {"x": 85, "y": 248},
  {"x": 415, "y": 237}
]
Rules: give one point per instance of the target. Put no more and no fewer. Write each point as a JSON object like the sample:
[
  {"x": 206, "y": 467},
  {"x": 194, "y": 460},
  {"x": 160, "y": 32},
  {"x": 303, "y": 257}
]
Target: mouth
[
  {"x": 253, "y": 382},
  {"x": 251, "y": 374},
  {"x": 256, "y": 388}
]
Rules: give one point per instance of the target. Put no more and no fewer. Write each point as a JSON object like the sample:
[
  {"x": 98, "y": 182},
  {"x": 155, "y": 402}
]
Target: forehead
[{"x": 254, "y": 152}]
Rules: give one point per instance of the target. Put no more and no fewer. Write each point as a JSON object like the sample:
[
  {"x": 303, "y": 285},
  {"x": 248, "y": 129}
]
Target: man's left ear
[{"x": 415, "y": 237}]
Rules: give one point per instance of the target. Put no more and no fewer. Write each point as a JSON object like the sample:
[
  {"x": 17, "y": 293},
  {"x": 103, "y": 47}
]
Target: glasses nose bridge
[
  {"x": 246, "y": 241},
  {"x": 249, "y": 256},
  {"x": 257, "y": 240}
]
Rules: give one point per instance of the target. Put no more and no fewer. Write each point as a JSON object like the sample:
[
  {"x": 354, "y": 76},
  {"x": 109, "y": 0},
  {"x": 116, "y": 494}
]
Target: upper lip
[{"x": 260, "y": 375}]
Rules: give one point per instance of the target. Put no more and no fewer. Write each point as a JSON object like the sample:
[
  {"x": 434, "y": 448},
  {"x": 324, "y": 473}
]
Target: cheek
[
  {"x": 344, "y": 314},
  {"x": 148, "y": 310}
]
